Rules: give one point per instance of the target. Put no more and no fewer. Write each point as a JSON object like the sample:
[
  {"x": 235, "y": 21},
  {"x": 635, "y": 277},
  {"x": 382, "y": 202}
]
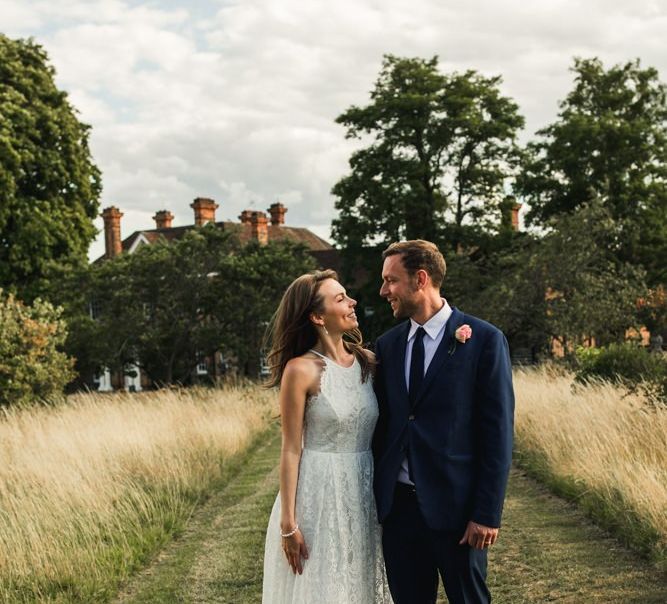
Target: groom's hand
[{"x": 479, "y": 536}]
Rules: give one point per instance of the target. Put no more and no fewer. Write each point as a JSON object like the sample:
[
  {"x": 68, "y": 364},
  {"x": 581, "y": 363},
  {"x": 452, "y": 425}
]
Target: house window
[
  {"x": 95, "y": 309},
  {"x": 202, "y": 365},
  {"x": 264, "y": 369}
]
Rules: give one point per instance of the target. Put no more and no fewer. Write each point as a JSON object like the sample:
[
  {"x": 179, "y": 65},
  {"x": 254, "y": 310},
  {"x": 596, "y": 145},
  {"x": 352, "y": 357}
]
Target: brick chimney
[
  {"x": 259, "y": 227},
  {"x": 245, "y": 216},
  {"x": 163, "y": 219},
  {"x": 515, "y": 216},
  {"x": 277, "y": 211},
  {"x": 204, "y": 210},
  {"x": 112, "y": 241}
]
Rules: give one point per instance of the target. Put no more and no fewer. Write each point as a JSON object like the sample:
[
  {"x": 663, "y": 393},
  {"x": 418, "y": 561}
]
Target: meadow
[
  {"x": 600, "y": 446},
  {"x": 90, "y": 489}
]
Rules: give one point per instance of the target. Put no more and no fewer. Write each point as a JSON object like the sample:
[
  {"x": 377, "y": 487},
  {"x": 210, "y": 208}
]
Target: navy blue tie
[{"x": 416, "y": 366}]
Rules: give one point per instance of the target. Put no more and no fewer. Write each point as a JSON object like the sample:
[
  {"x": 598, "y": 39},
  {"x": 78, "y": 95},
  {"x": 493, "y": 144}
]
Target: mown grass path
[{"x": 548, "y": 551}]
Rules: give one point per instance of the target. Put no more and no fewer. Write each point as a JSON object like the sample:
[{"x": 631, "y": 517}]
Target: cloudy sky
[{"x": 236, "y": 99}]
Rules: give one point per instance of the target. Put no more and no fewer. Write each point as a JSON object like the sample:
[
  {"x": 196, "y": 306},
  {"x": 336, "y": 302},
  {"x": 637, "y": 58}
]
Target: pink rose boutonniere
[{"x": 462, "y": 334}]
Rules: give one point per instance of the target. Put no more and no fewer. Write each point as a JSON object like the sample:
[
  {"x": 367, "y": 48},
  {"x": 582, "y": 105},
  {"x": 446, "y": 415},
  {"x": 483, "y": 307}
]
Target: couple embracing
[{"x": 393, "y": 466}]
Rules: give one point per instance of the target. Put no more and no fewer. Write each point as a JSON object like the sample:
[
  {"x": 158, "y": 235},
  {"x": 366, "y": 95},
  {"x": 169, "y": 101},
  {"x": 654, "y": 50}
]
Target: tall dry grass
[
  {"x": 90, "y": 488},
  {"x": 601, "y": 446}
]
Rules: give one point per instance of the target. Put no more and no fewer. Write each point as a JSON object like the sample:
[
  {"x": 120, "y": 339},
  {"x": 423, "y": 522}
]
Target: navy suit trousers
[{"x": 414, "y": 555}]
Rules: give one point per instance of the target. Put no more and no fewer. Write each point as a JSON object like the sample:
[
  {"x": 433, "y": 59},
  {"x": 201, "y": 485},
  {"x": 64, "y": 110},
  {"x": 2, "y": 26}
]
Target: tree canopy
[
  {"x": 49, "y": 185},
  {"x": 167, "y": 305},
  {"x": 609, "y": 142},
  {"x": 438, "y": 151},
  {"x": 567, "y": 285},
  {"x": 440, "y": 161}
]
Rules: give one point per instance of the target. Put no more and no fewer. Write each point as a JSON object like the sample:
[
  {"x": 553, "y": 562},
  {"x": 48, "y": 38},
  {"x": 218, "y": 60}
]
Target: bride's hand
[{"x": 295, "y": 549}]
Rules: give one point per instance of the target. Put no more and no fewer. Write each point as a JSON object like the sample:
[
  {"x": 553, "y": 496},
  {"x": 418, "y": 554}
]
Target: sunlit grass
[
  {"x": 601, "y": 446},
  {"x": 90, "y": 488}
]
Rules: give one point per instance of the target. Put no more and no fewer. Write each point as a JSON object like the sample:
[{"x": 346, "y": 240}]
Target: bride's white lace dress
[{"x": 335, "y": 507}]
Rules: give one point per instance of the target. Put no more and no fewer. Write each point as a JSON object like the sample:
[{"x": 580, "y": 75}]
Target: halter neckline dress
[{"x": 335, "y": 505}]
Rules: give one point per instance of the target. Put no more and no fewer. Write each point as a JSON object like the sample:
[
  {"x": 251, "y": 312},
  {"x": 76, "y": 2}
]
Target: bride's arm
[{"x": 296, "y": 381}]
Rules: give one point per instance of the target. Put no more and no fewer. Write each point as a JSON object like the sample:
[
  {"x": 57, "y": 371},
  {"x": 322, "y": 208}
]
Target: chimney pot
[
  {"x": 163, "y": 219},
  {"x": 277, "y": 211},
  {"x": 259, "y": 227},
  {"x": 515, "y": 216},
  {"x": 245, "y": 216},
  {"x": 204, "y": 210},
  {"x": 112, "y": 242}
]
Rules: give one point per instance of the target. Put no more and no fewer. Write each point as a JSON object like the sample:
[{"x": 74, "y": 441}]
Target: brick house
[{"x": 252, "y": 225}]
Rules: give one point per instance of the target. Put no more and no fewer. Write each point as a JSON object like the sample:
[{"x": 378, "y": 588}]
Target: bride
[{"x": 323, "y": 542}]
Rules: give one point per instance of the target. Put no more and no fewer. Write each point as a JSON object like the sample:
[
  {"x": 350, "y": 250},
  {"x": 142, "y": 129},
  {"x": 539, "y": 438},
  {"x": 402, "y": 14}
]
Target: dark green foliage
[
  {"x": 169, "y": 304},
  {"x": 247, "y": 293},
  {"x": 568, "y": 284},
  {"x": 595, "y": 181},
  {"x": 441, "y": 149},
  {"x": 49, "y": 186},
  {"x": 628, "y": 364},
  {"x": 609, "y": 143}
]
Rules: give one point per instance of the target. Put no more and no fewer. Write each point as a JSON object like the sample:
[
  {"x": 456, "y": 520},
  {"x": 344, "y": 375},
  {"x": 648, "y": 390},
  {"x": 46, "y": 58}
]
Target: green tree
[
  {"x": 439, "y": 152},
  {"x": 609, "y": 142},
  {"x": 32, "y": 366},
  {"x": 148, "y": 308},
  {"x": 568, "y": 284},
  {"x": 49, "y": 186},
  {"x": 167, "y": 294},
  {"x": 91, "y": 296},
  {"x": 441, "y": 148},
  {"x": 168, "y": 304},
  {"x": 247, "y": 291}
]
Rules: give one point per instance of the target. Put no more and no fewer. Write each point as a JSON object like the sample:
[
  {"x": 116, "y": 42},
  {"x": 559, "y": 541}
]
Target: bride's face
[{"x": 337, "y": 307}]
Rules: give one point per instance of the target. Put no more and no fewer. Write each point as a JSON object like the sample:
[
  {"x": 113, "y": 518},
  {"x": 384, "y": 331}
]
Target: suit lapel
[
  {"x": 398, "y": 368},
  {"x": 441, "y": 356}
]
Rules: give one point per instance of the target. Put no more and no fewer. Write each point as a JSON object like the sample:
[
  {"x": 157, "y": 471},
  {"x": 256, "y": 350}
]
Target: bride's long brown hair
[{"x": 291, "y": 332}]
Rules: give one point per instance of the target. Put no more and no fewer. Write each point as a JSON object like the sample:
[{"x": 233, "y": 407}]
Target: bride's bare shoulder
[
  {"x": 304, "y": 370},
  {"x": 306, "y": 363}
]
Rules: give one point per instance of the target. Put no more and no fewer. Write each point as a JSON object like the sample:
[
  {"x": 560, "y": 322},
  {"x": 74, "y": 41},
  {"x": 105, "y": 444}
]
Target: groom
[{"x": 443, "y": 442}]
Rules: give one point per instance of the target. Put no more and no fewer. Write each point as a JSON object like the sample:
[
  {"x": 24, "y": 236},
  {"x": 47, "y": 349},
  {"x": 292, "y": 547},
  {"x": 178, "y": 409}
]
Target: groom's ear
[{"x": 421, "y": 278}]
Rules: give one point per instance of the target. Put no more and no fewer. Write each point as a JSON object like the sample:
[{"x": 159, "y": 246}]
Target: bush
[
  {"x": 626, "y": 364},
  {"x": 31, "y": 366}
]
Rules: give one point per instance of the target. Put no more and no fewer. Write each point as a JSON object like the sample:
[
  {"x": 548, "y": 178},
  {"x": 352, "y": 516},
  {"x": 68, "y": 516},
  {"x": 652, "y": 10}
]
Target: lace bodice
[{"x": 341, "y": 417}]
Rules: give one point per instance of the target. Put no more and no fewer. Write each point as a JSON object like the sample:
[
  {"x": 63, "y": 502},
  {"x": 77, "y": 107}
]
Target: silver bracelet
[{"x": 285, "y": 535}]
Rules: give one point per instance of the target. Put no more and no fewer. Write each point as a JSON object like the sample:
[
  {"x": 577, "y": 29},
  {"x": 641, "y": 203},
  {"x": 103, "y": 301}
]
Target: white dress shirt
[{"x": 435, "y": 329}]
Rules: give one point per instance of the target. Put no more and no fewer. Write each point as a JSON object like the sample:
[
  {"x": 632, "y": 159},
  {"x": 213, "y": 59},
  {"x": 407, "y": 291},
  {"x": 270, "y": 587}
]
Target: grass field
[
  {"x": 89, "y": 490},
  {"x": 166, "y": 497},
  {"x": 600, "y": 447},
  {"x": 548, "y": 550}
]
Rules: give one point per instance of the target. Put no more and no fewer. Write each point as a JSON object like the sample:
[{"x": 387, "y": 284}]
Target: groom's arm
[{"x": 494, "y": 428}]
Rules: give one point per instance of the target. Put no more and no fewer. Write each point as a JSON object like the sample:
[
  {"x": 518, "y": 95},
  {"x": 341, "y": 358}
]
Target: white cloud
[{"x": 236, "y": 100}]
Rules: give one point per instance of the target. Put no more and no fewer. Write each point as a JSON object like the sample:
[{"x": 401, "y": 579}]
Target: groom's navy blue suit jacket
[{"x": 457, "y": 436}]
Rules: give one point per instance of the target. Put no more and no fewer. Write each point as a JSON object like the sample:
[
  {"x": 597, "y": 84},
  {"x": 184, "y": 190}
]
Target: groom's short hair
[{"x": 419, "y": 254}]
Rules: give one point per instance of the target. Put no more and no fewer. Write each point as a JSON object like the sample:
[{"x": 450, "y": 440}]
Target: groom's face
[{"x": 399, "y": 288}]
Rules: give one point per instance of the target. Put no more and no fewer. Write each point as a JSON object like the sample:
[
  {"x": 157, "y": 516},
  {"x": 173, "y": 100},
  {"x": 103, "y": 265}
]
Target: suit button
[{"x": 411, "y": 417}]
